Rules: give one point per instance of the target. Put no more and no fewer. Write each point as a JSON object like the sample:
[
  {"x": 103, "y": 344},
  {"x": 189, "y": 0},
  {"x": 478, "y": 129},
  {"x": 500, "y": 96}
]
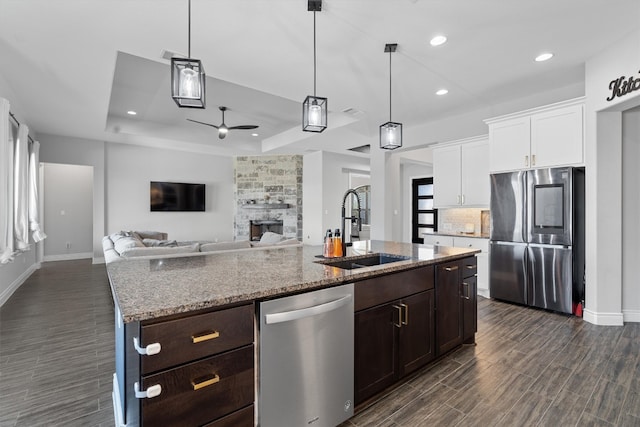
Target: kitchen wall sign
[{"x": 622, "y": 86}]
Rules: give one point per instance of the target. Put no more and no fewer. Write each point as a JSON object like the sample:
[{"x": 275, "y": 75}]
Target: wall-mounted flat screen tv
[{"x": 177, "y": 197}]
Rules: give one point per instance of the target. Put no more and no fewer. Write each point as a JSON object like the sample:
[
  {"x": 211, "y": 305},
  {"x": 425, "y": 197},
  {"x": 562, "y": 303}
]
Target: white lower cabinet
[{"x": 468, "y": 242}]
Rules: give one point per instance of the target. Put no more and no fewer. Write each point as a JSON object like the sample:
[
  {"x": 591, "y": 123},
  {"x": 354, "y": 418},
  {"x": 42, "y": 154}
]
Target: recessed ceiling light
[
  {"x": 254, "y": 134},
  {"x": 544, "y": 57},
  {"x": 131, "y": 113},
  {"x": 442, "y": 92},
  {"x": 438, "y": 40}
]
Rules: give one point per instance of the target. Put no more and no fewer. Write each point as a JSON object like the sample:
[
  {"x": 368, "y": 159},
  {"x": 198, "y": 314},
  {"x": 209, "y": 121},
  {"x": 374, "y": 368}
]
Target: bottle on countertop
[
  {"x": 327, "y": 251},
  {"x": 337, "y": 244}
]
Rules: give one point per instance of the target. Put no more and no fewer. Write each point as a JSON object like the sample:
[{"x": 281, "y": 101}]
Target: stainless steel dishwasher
[{"x": 306, "y": 359}]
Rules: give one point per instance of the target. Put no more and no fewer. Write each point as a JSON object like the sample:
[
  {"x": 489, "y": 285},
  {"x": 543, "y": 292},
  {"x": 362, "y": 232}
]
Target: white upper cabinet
[
  {"x": 461, "y": 174},
  {"x": 557, "y": 137},
  {"x": 542, "y": 137}
]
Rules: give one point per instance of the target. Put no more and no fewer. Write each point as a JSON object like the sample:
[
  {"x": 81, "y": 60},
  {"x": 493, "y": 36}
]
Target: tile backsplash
[{"x": 463, "y": 220}]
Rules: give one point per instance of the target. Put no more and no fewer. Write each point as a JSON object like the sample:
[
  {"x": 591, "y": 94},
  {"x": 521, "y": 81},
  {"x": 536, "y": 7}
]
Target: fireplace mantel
[{"x": 266, "y": 206}]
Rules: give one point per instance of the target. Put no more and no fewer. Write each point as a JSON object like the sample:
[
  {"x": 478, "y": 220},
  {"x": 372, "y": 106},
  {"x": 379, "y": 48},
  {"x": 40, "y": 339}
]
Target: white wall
[
  {"x": 603, "y": 151},
  {"x": 131, "y": 168},
  {"x": 630, "y": 214},
  {"x": 326, "y": 176},
  {"x": 13, "y": 274},
  {"x": 68, "y": 211}
]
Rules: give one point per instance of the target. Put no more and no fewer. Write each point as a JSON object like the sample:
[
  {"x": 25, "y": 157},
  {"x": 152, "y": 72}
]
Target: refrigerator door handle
[
  {"x": 503, "y": 243},
  {"x": 544, "y": 245}
]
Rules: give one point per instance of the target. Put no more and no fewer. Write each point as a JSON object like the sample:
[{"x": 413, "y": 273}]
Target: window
[{"x": 424, "y": 217}]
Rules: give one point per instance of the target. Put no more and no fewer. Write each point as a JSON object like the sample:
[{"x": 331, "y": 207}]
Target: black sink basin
[{"x": 367, "y": 261}]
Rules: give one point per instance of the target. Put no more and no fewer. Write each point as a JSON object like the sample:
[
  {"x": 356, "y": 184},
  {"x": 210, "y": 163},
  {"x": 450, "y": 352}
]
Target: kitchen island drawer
[
  {"x": 469, "y": 267},
  {"x": 194, "y": 337},
  {"x": 201, "y": 392},
  {"x": 383, "y": 289}
]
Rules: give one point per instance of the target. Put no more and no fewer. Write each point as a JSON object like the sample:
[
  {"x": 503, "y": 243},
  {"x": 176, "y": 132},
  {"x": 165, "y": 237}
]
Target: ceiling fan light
[
  {"x": 188, "y": 82},
  {"x": 314, "y": 114},
  {"x": 391, "y": 135}
]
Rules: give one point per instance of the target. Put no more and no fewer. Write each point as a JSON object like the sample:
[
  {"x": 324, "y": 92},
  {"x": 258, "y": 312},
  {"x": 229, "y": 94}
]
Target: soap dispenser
[
  {"x": 337, "y": 244},
  {"x": 327, "y": 251}
]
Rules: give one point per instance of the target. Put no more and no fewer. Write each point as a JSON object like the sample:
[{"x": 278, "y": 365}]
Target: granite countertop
[
  {"x": 474, "y": 235},
  {"x": 150, "y": 288}
]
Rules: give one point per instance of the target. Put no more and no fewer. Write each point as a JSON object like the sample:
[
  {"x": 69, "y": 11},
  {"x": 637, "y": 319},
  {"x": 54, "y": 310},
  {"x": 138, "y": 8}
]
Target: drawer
[
  {"x": 181, "y": 403},
  {"x": 241, "y": 418},
  {"x": 194, "y": 337},
  {"x": 470, "y": 242},
  {"x": 434, "y": 239},
  {"x": 469, "y": 266},
  {"x": 379, "y": 290}
]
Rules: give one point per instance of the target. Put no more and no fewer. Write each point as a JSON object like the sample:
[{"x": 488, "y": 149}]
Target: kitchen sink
[{"x": 366, "y": 261}]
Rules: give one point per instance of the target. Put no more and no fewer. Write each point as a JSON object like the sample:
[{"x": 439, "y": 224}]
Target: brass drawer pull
[
  {"x": 451, "y": 268},
  {"x": 471, "y": 266},
  {"x": 205, "y": 337},
  {"x": 205, "y": 383},
  {"x": 399, "y": 324},
  {"x": 466, "y": 293}
]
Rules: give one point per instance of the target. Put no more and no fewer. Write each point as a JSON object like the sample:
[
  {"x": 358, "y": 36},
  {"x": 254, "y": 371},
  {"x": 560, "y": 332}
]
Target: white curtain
[
  {"x": 21, "y": 189},
  {"x": 34, "y": 181},
  {"x": 6, "y": 184}
]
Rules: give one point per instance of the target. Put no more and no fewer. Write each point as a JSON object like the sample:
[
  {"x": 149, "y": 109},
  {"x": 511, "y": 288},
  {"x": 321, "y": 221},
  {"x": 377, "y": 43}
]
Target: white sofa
[{"x": 155, "y": 244}]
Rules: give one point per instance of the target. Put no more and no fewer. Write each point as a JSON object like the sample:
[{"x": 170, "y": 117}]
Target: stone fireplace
[{"x": 268, "y": 188}]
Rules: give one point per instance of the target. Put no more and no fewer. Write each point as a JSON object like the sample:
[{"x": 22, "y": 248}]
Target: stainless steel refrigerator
[{"x": 537, "y": 238}]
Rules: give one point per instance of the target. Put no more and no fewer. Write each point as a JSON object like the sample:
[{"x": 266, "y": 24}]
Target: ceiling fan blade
[
  {"x": 244, "y": 127},
  {"x": 203, "y": 123}
]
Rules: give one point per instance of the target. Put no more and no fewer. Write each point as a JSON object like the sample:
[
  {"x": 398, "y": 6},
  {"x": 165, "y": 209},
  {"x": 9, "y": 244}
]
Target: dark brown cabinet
[
  {"x": 469, "y": 297},
  {"x": 393, "y": 329},
  {"x": 456, "y": 304},
  {"x": 201, "y": 370},
  {"x": 448, "y": 306}
]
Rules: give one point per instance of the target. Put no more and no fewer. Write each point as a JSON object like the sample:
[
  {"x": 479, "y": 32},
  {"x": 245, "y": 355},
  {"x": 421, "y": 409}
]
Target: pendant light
[
  {"x": 390, "y": 132},
  {"x": 314, "y": 109},
  {"x": 188, "y": 78}
]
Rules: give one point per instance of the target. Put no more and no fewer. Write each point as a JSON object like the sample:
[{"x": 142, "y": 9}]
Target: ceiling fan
[{"x": 223, "y": 129}]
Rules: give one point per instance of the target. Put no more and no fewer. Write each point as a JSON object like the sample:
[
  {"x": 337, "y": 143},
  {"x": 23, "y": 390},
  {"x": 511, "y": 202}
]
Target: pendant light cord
[
  {"x": 389, "y": 84},
  {"x": 189, "y": 29},
  {"x": 314, "y": 53}
]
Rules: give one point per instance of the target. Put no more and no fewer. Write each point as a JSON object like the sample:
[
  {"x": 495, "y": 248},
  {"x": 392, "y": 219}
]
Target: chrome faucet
[{"x": 350, "y": 218}]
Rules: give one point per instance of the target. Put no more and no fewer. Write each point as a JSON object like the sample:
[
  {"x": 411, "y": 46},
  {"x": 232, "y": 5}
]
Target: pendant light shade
[
  {"x": 314, "y": 108},
  {"x": 390, "y": 132},
  {"x": 188, "y": 79}
]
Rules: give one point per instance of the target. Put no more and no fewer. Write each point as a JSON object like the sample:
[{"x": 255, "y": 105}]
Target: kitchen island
[{"x": 158, "y": 299}]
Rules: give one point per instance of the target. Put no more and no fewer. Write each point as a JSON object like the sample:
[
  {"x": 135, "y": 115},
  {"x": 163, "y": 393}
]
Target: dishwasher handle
[{"x": 287, "y": 316}]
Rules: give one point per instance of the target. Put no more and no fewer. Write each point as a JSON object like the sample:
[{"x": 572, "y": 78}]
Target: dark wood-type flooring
[{"x": 529, "y": 367}]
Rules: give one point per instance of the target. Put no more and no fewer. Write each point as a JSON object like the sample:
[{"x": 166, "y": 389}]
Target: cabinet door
[
  {"x": 482, "y": 278},
  {"x": 376, "y": 350},
  {"x": 446, "y": 176},
  {"x": 509, "y": 142},
  {"x": 469, "y": 309},
  {"x": 416, "y": 334},
  {"x": 448, "y": 307},
  {"x": 557, "y": 137},
  {"x": 476, "y": 187}
]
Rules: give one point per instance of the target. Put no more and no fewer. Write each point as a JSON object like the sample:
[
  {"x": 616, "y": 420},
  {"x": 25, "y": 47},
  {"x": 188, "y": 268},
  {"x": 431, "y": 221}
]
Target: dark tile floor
[{"x": 529, "y": 367}]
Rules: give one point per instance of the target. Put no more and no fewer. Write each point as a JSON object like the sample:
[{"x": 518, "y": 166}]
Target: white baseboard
[
  {"x": 98, "y": 260},
  {"x": 483, "y": 292},
  {"x": 67, "y": 257},
  {"x": 603, "y": 319},
  {"x": 6, "y": 294},
  {"x": 631, "y": 316}
]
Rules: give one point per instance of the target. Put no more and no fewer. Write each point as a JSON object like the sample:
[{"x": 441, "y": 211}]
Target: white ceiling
[{"x": 74, "y": 67}]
